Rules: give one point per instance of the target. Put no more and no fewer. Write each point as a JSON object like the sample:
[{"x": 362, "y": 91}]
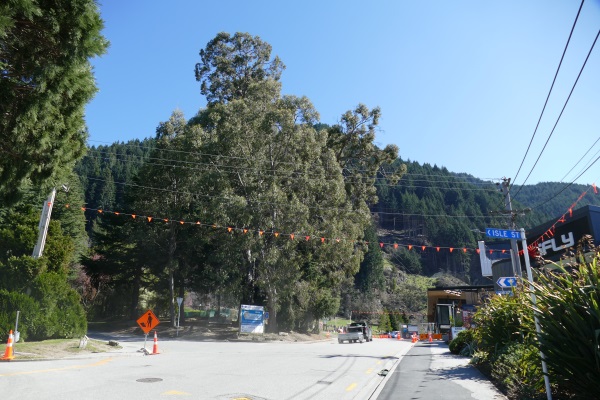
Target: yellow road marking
[
  {"x": 369, "y": 370},
  {"x": 39, "y": 371},
  {"x": 177, "y": 393},
  {"x": 351, "y": 387}
]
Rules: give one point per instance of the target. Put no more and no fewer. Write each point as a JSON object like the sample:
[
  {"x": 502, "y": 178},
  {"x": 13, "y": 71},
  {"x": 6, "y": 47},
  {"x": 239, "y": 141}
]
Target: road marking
[
  {"x": 39, "y": 371},
  {"x": 351, "y": 387},
  {"x": 369, "y": 370}
]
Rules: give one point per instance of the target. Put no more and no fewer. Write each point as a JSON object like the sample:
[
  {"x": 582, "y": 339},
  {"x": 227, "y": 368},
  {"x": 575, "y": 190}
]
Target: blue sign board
[
  {"x": 507, "y": 281},
  {"x": 502, "y": 233},
  {"x": 252, "y": 319}
]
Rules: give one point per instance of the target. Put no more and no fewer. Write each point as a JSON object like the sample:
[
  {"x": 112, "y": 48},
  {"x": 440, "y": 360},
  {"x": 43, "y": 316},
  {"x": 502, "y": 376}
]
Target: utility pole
[
  {"x": 514, "y": 254},
  {"x": 43, "y": 226}
]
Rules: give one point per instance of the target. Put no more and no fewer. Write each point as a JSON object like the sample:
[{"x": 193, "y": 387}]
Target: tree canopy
[{"x": 45, "y": 82}]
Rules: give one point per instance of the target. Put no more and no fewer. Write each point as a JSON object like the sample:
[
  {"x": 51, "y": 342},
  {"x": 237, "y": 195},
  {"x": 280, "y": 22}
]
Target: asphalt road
[{"x": 239, "y": 371}]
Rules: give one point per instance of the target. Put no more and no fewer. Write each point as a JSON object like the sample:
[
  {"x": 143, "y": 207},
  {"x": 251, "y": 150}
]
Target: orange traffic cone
[
  {"x": 430, "y": 338},
  {"x": 155, "y": 348},
  {"x": 399, "y": 336},
  {"x": 8, "y": 353}
]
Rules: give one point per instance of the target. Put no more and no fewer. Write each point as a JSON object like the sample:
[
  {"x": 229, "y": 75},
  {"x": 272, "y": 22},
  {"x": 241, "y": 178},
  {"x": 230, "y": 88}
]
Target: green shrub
[
  {"x": 569, "y": 315},
  {"x": 10, "y": 303},
  {"x": 61, "y": 314},
  {"x": 502, "y": 321},
  {"x": 464, "y": 343},
  {"x": 518, "y": 370}
]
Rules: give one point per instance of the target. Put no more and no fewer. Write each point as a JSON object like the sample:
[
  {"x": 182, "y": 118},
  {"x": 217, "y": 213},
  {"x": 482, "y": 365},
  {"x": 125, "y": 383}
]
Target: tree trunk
[
  {"x": 135, "y": 295},
  {"x": 172, "y": 295},
  {"x": 272, "y": 309}
]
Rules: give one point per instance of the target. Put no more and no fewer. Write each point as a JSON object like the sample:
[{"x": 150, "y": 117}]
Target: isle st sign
[{"x": 502, "y": 233}]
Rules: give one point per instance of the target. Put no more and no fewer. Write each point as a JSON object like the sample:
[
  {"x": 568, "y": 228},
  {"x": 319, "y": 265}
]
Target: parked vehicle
[
  {"x": 366, "y": 330},
  {"x": 352, "y": 334}
]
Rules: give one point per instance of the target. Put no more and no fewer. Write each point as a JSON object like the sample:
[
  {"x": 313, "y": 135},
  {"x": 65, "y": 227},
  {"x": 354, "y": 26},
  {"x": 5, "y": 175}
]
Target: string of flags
[
  {"x": 323, "y": 239},
  {"x": 532, "y": 247},
  {"x": 291, "y": 236}
]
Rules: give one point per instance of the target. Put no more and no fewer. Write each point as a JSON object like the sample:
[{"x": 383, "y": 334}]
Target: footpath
[{"x": 429, "y": 371}]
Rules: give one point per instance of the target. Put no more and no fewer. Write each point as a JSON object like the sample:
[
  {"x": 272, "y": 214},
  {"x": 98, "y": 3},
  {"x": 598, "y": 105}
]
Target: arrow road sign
[
  {"x": 502, "y": 233},
  {"x": 507, "y": 281}
]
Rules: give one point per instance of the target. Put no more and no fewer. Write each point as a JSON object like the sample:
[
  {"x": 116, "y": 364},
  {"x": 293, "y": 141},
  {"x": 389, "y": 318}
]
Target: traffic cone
[
  {"x": 8, "y": 353},
  {"x": 430, "y": 338},
  {"x": 155, "y": 348}
]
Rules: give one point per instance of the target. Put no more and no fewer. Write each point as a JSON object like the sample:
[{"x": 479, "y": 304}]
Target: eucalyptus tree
[
  {"x": 280, "y": 183},
  {"x": 45, "y": 81}
]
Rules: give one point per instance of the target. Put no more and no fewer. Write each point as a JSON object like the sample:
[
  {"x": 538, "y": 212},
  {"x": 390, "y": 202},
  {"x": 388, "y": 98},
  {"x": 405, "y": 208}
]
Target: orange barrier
[
  {"x": 437, "y": 336},
  {"x": 8, "y": 352},
  {"x": 155, "y": 348}
]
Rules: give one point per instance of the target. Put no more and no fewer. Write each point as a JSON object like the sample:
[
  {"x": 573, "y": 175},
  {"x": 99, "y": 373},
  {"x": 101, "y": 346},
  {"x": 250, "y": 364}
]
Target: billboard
[{"x": 251, "y": 319}]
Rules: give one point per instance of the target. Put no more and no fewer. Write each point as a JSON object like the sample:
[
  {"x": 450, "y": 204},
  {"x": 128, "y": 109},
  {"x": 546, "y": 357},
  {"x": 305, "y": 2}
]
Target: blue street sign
[
  {"x": 266, "y": 315},
  {"x": 507, "y": 281},
  {"x": 503, "y": 233}
]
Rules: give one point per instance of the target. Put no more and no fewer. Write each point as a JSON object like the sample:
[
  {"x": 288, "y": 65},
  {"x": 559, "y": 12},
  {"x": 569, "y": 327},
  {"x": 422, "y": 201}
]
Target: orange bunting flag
[
  {"x": 395, "y": 245},
  {"x": 381, "y": 245},
  {"x": 166, "y": 219},
  {"x": 181, "y": 222},
  {"x": 410, "y": 246},
  {"x": 133, "y": 216},
  {"x": 322, "y": 240},
  {"x": 570, "y": 212},
  {"x": 437, "y": 248},
  {"x": 503, "y": 251},
  {"x": 99, "y": 211},
  {"x": 149, "y": 219},
  {"x": 595, "y": 188},
  {"x": 291, "y": 236},
  {"x": 423, "y": 248},
  {"x": 464, "y": 250},
  {"x": 276, "y": 234},
  {"x": 260, "y": 232},
  {"x": 491, "y": 251},
  {"x": 49, "y": 204},
  {"x": 307, "y": 238},
  {"x": 477, "y": 251},
  {"x": 66, "y": 205},
  {"x": 229, "y": 229},
  {"x": 117, "y": 213},
  {"x": 451, "y": 249},
  {"x": 245, "y": 230}
]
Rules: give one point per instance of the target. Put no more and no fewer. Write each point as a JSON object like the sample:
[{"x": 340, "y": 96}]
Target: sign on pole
[
  {"x": 251, "y": 320},
  {"x": 502, "y": 233},
  {"x": 148, "y": 321},
  {"x": 507, "y": 281}
]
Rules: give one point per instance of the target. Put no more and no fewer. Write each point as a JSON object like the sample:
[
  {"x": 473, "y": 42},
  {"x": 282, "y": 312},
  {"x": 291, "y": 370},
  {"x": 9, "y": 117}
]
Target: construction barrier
[
  {"x": 8, "y": 352},
  {"x": 155, "y": 347}
]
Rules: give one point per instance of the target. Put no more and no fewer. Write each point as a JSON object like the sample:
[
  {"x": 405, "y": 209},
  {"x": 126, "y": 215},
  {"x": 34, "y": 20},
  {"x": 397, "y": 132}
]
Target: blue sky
[{"x": 460, "y": 84}]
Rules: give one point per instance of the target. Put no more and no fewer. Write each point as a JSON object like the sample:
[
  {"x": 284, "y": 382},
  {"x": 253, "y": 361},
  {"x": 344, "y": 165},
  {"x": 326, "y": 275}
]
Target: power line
[
  {"x": 582, "y": 157},
  {"x": 221, "y": 156},
  {"x": 276, "y": 204},
  {"x": 565, "y": 188},
  {"x": 561, "y": 113},
  {"x": 550, "y": 91},
  {"x": 197, "y": 166}
]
